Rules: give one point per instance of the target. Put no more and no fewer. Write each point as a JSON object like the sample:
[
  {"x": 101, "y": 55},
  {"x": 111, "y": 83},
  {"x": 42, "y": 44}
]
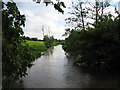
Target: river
[{"x": 55, "y": 70}]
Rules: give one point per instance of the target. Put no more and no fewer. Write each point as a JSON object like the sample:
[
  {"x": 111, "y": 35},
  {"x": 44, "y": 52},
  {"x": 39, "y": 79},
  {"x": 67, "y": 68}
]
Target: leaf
[
  {"x": 38, "y": 1},
  {"x": 47, "y": 2},
  {"x": 62, "y": 3},
  {"x": 57, "y": 7},
  {"x": 30, "y": 65}
]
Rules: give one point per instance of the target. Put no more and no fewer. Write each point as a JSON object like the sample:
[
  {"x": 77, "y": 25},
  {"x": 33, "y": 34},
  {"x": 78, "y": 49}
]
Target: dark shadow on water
[{"x": 93, "y": 79}]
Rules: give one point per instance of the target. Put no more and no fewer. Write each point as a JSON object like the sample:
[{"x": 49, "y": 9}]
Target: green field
[{"x": 36, "y": 47}]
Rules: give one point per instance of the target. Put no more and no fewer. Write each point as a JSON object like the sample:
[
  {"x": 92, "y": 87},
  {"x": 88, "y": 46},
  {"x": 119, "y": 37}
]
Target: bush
[
  {"x": 98, "y": 47},
  {"x": 16, "y": 57}
]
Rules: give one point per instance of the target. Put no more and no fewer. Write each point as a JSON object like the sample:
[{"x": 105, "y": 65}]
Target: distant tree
[
  {"x": 43, "y": 30},
  {"x": 34, "y": 39},
  {"x": 49, "y": 40}
]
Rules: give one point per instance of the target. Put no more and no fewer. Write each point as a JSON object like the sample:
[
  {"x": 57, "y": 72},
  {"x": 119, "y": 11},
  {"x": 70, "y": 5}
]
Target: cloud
[{"x": 38, "y": 15}]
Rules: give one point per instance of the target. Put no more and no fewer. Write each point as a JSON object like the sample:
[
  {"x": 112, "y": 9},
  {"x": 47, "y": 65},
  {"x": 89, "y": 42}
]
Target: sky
[{"x": 38, "y": 15}]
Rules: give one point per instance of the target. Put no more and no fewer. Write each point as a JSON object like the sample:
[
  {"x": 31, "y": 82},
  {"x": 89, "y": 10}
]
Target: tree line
[
  {"x": 96, "y": 44},
  {"x": 29, "y": 38}
]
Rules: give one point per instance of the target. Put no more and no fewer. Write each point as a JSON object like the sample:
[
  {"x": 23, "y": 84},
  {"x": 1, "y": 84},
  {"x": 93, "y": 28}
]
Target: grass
[{"x": 36, "y": 47}]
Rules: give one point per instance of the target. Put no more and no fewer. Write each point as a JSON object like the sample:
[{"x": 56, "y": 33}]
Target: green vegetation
[
  {"x": 58, "y": 5},
  {"x": 16, "y": 57},
  {"x": 97, "y": 47},
  {"x": 37, "y": 47},
  {"x": 50, "y": 41},
  {"x": 17, "y": 52}
]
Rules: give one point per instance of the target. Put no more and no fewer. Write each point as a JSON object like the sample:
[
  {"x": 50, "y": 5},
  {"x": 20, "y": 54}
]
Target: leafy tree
[
  {"x": 16, "y": 57},
  {"x": 96, "y": 11},
  {"x": 72, "y": 42},
  {"x": 78, "y": 14},
  {"x": 98, "y": 48},
  {"x": 16, "y": 54},
  {"x": 49, "y": 40},
  {"x": 82, "y": 12}
]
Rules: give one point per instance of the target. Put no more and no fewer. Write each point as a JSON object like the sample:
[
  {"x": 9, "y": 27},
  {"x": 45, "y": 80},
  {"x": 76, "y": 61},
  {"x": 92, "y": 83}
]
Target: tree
[
  {"x": 83, "y": 12},
  {"x": 96, "y": 11},
  {"x": 16, "y": 57},
  {"x": 49, "y": 40},
  {"x": 78, "y": 14},
  {"x": 97, "y": 48},
  {"x": 43, "y": 30}
]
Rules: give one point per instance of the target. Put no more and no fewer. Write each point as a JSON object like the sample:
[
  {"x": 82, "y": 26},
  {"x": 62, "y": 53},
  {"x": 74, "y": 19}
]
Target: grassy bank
[{"x": 36, "y": 47}]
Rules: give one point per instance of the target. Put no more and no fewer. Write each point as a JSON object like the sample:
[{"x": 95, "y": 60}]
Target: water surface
[{"x": 55, "y": 70}]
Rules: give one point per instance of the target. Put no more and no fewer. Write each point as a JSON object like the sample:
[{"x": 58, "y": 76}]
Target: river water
[{"x": 55, "y": 70}]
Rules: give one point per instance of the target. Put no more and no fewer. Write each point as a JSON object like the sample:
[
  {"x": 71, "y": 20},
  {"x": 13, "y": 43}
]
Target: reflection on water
[
  {"x": 49, "y": 52},
  {"x": 54, "y": 70}
]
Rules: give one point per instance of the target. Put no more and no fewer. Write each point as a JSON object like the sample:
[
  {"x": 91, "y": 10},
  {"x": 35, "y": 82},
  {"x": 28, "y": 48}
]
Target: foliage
[
  {"x": 99, "y": 48},
  {"x": 16, "y": 57},
  {"x": 84, "y": 13},
  {"x": 77, "y": 15},
  {"x": 36, "y": 47},
  {"x": 72, "y": 42},
  {"x": 17, "y": 54},
  {"x": 58, "y": 6},
  {"x": 29, "y": 38},
  {"x": 49, "y": 40}
]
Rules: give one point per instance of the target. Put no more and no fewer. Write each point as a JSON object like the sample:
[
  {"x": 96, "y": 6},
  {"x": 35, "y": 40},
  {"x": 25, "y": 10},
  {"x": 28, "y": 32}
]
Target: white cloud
[{"x": 38, "y": 16}]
